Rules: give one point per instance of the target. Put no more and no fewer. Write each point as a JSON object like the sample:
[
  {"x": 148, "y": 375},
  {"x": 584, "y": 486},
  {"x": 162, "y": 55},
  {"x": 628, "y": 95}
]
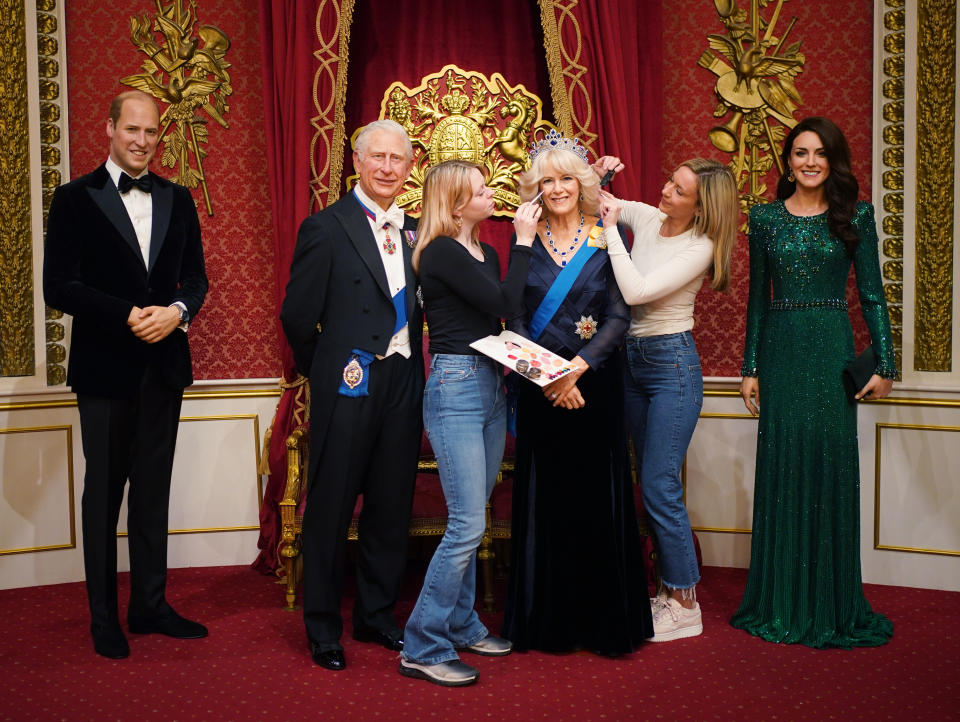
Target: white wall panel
[
  {"x": 214, "y": 496},
  {"x": 37, "y": 492},
  {"x": 918, "y": 497},
  {"x": 917, "y": 538}
]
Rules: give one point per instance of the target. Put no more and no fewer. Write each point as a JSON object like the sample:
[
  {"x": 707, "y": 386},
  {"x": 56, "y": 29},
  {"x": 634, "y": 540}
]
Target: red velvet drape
[
  {"x": 288, "y": 36},
  {"x": 623, "y": 54}
]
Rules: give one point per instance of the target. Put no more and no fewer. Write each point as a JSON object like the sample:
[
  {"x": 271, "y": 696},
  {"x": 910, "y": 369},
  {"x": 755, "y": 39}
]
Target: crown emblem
[
  {"x": 456, "y": 113},
  {"x": 555, "y": 141}
]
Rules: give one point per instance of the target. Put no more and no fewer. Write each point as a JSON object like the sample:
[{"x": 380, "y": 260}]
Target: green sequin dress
[{"x": 804, "y": 584}]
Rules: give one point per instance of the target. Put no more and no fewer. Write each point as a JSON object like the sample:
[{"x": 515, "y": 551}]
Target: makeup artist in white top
[{"x": 675, "y": 245}]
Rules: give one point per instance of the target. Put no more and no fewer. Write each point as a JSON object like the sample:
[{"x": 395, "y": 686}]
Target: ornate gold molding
[
  {"x": 936, "y": 154},
  {"x": 332, "y": 56},
  {"x": 52, "y": 163},
  {"x": 566, "y": 72},
  {"x": 892, "y": 139},
  {"x": 16, "y": 250}
]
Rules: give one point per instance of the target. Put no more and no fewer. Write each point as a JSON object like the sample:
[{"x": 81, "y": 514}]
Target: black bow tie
[{"x": 144, "y": 183}]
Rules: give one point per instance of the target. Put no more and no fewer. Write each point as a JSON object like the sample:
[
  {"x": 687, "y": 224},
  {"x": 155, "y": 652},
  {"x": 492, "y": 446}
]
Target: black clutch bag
[{"x": 858, "y": 372}]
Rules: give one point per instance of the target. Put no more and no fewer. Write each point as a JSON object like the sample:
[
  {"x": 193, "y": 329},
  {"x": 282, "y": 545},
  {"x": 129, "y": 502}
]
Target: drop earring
[{"x": 790, "y": 176}]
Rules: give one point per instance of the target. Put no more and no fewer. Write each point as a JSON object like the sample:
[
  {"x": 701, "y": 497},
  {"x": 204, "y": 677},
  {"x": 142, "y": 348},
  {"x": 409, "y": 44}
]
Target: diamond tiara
[{"x": 555, "y": 141}]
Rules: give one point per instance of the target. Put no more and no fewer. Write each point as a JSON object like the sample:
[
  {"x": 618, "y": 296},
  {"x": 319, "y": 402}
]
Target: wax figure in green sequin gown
[{"x": 804, "y": 584}]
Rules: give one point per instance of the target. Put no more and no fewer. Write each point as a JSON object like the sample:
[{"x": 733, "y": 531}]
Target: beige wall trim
[{"x": 876, "y": 495}]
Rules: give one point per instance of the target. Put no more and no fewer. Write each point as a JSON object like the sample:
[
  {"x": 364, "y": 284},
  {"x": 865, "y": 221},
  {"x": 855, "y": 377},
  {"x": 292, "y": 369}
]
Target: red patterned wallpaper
[
  {"x": 837, "y": 40},
  {"x": 236, "y": 333}
]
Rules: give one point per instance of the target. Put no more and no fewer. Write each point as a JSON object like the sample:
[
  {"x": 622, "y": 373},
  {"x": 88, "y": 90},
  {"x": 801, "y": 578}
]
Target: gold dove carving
[
  {"x": 756, "y": 71},
  {"x": 185, "y": 68}
]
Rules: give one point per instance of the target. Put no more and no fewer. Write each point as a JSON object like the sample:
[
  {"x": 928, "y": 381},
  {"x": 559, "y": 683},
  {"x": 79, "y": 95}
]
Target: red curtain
[
  {"x": 288, "y": 36},
  {"x": 625, "y": 87},
  {"x": 287, "y": 31}
]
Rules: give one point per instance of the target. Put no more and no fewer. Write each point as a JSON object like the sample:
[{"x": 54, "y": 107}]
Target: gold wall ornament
[
  {"x": 755, "y": 72},
  {"x": 936, "y": 157},
  {"x": 16, "y": 250},
  {"x": 53, "y": 164},
  {"x": 462, "y": 114},
  {"x": 891, "y": 139},
  {"x": 185, "y": 68}
]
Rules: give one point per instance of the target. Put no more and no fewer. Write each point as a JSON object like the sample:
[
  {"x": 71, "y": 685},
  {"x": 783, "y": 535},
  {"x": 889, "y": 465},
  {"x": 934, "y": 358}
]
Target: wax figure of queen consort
[
  {"x": 352, "y": 319},
  {"x": 123, "y": 256}
]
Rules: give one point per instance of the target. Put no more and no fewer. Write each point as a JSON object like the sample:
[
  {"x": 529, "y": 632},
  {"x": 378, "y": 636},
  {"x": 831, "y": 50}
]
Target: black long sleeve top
[{"x": 465, "y": 299}]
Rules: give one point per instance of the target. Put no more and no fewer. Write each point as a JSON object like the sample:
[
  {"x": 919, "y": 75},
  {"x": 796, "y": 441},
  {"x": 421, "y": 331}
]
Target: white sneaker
[
  {"x": 489, "y": 646},
  {"x": 658, "y": 601},
  {"x": 447, "y": 674},
  {"x": 674, "y": 621}
]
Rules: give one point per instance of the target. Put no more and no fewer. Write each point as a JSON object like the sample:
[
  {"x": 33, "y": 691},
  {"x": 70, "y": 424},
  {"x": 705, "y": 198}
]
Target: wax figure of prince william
[
  {"x": 353, "y": 322},
  {"x": 123, "y": 257}
]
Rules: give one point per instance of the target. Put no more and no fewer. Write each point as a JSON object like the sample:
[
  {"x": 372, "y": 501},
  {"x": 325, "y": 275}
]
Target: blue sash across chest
[{"x": 558, "y": 291}]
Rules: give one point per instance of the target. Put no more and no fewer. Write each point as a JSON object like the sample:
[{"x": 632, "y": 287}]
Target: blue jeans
[
  {"x": 663, "y": 395},
  {"x": 464, "y": 414}
]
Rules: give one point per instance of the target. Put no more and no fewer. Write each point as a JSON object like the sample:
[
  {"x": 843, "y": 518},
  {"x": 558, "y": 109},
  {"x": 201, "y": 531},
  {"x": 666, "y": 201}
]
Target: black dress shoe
[
  {"x": 392, "y": 640},
  {"x": 108, "y": 641},
  {"x": 171, "y": 624},
  {"x": 328, "y": 658}
]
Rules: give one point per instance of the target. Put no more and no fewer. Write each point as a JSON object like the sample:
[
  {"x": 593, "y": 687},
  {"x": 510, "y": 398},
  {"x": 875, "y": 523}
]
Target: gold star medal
[
  {"x": 595, "y": 237},
  {"x": 586, "y": 327},
  {"x": 353, "y": 373}
]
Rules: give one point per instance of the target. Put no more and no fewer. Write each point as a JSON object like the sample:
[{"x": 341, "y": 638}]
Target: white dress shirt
[
  {"x": 392, "y": 263},
  {"x": 139, "y": 207}
]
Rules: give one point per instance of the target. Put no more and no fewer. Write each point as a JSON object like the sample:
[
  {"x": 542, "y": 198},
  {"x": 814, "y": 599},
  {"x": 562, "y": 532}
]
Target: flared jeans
[{"x": 464, "y": 414}]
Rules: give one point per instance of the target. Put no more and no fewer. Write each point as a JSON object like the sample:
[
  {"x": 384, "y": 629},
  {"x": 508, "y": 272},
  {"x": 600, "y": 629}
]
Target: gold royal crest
[{"x": 492, "y": 126}]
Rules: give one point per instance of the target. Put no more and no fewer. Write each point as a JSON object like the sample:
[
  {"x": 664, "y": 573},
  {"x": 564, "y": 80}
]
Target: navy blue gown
[{"x": 577, "y": 577}]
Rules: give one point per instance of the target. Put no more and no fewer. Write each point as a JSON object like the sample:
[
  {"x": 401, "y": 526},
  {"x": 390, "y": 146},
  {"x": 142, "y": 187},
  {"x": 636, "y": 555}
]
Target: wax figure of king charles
[{"x": 352, "y": 319}]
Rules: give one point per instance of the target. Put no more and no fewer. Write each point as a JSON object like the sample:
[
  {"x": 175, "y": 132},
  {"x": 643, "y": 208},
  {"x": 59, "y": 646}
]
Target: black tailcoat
[{"x": 338, "y": 300}]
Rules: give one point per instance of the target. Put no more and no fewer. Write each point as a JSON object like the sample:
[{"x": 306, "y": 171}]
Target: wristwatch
[{"x": 184, "y": 316}]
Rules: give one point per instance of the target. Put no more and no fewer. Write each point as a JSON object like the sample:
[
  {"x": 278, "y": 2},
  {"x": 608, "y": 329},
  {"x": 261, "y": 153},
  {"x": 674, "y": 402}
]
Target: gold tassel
[{"x": 264, "y": 466}]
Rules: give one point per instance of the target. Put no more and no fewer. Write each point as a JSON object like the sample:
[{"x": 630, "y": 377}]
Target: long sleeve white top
[{"x": 660, "y": 277}]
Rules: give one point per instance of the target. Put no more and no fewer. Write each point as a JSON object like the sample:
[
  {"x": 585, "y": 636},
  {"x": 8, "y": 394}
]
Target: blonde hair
[
  {"x": 446, "y": 188},
  {"x": 562, "y": 162},
  {"x": 718, "y": 214}
]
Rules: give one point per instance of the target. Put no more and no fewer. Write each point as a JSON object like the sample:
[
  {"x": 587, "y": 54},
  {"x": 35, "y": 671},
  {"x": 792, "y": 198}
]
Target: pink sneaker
[
  {"x": 658, "y": 601},
  {"x": 674, "y": 621}
]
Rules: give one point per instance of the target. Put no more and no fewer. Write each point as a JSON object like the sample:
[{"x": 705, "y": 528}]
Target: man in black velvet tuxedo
[
  {"x": 352, "y": 320},
  {"x": 123, "y": 257}
]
